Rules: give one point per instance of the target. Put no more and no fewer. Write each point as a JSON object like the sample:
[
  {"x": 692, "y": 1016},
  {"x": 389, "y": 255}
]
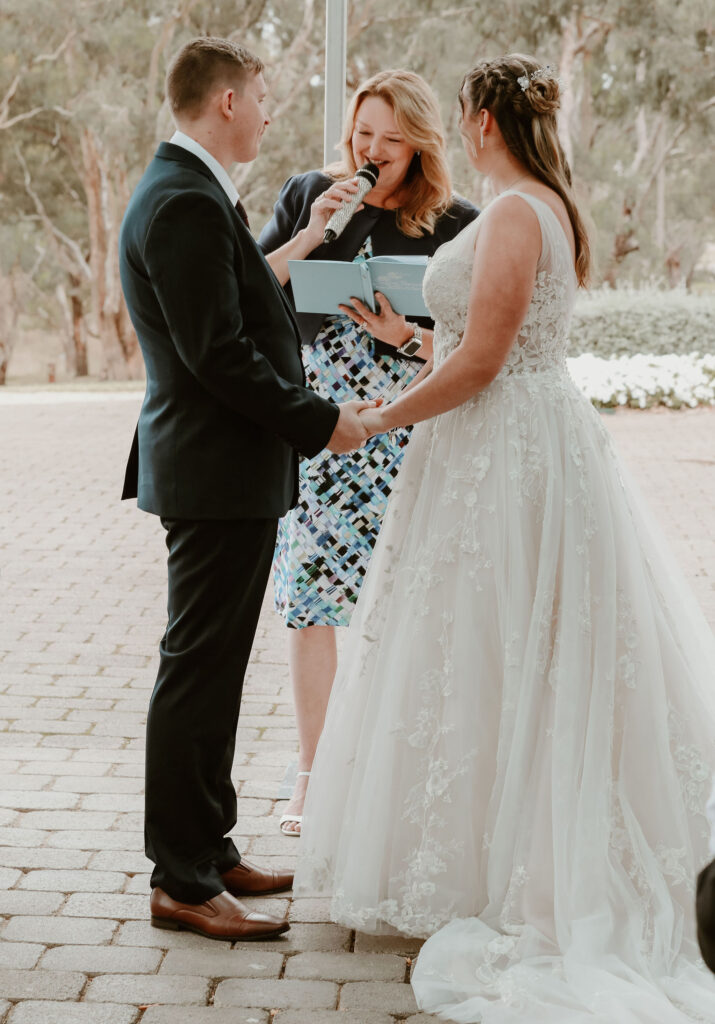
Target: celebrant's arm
[{"x": 311, "y": 236}]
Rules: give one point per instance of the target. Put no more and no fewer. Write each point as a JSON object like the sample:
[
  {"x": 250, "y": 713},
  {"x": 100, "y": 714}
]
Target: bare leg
[{"x": 313, "y": 659}]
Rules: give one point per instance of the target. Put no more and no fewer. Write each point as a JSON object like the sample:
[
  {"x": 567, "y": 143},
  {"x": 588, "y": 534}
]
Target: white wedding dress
[{"x": 519, "y": 745}]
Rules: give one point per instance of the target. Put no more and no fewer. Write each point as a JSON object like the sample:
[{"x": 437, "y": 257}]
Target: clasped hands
[{"x": 358, "y": 420}]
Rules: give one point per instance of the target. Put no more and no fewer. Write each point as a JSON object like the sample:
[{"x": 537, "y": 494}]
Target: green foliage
[{"x": 650, "y": 321}]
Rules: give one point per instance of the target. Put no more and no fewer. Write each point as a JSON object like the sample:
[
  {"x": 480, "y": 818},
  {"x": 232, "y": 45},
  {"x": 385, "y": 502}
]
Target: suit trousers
[{"x": 218, "y": 571}]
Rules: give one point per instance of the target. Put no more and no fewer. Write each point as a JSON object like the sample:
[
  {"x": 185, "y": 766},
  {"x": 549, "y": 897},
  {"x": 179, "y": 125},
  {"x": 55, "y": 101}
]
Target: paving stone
[
  {"x": 402, "y": 944},
  {"x": 89, "y": 743},
  {"x": 94, "y": 784},
  {"x": 375, "y": 995},
  {"x": 141, "y": 933},
  {"x": 129, "y": 861},
  {"x": 47, "y": 1012},
  {"x": 20, "y": 955},
  {"x": 345, "y": 967},
  {"x": 204, "y": 1015},
  {"x": 110, "y": 756},
  {"x": 310, "y": 910},
  {"x": 72, "y": 820},
  {"x": 333, "y": 1017},
  {"x": 103, "y": 904},
  {"x": 307, "y": 937},
  {"x": 27, "y": 800},
  {"x": 139, "y": 885},
  {"x": 58, "y": 930},
  {"x": 120, "y": 801},
  {"x": 276, "y": 994},
  {"x": 75, "y": 840},
  {"x": 15, "y": 782},
  {"x": 43, "y": 857},
  {"x": 74, "y": 881},
  {"x": 104, "y": 960},
  {"x": 8, "y": 877},
  {"x": 69, "y": 767},
  {"x": 14, "y": 901},
  {"x": 148, "y": 988},
  {"x": 47, "y": 727},
  {"x": 224, "y": 963},
  {"x": 18, "y": 984}
]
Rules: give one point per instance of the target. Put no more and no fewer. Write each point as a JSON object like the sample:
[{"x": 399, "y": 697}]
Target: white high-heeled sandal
[{"x": 297, "y": 818}]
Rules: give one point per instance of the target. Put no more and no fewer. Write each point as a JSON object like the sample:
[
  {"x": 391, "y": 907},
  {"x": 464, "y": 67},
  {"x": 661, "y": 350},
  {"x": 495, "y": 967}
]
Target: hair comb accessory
[{"x": 546, "y": 72}]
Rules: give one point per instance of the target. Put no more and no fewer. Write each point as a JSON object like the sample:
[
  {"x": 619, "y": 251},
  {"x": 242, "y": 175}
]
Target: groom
[{"x": 215, "y": 456}]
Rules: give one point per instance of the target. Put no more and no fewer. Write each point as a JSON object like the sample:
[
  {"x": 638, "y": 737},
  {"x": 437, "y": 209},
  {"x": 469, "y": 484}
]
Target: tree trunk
[
  {"x": 624, "y": 243},
  {"x": 75, "y": 328},
  {"x": 118, "y": 341},
  {"x": 78, "y": 337}
]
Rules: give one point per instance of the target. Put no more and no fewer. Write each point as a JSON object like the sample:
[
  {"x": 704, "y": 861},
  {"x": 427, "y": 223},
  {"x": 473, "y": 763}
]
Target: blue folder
[{"x": 320, "y": 285}]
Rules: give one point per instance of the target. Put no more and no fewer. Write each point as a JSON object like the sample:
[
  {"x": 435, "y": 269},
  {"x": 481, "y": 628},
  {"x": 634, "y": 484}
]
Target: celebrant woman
[{"x": 324, "y": 544}]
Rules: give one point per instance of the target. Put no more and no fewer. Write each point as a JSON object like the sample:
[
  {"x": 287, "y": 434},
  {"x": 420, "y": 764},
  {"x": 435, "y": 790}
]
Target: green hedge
[{"x": 650, "y": 321}]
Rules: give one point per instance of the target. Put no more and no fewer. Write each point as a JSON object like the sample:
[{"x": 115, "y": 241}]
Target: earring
[
  {"x": 418, "y": 152},
  {"x": 481, "y": 137}
]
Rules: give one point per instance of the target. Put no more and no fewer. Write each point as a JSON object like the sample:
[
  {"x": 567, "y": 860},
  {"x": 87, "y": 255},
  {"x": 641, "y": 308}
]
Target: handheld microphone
[{"x": 366, "y": 179}]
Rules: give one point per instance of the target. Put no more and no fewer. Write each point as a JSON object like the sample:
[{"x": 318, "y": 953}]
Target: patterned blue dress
[{"x": 325, "y": 543}]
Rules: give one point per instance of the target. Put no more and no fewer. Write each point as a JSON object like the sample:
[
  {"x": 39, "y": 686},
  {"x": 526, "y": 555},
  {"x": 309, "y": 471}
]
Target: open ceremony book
[{"x": 320, "y": 285}]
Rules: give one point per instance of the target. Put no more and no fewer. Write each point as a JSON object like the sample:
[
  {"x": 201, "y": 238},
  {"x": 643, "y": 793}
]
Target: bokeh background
[{"x": 82, "y": 108}]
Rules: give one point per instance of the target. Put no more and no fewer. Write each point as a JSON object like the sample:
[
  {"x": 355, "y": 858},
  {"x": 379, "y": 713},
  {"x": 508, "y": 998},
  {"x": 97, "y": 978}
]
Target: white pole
[{"x": 336, "y": 40}]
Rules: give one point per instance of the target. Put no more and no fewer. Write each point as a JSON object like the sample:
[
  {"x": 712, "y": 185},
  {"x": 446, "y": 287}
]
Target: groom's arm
[{"x": 189, "y": 256}]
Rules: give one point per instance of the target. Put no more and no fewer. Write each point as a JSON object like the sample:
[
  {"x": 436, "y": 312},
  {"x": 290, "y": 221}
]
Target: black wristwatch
[{"x": 412, "y": 346}]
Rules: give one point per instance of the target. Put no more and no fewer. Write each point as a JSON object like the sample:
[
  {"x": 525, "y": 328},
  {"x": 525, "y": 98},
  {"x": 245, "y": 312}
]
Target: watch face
[{"x": 410, "y": 347}]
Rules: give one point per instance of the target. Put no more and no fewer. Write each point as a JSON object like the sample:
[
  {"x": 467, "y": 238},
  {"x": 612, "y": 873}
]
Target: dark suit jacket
[
  {"x": 225, "y": 411},
  {"x": 705, "y": 914},
  {"x": 291, "y": 214}
]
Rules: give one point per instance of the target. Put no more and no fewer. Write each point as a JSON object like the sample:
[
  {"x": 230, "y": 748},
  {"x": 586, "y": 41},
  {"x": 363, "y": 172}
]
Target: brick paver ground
[{"x": 82, "y": 594}]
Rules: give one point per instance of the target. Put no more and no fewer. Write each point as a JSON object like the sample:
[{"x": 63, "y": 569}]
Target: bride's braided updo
[{"x": 523, "y": 97}]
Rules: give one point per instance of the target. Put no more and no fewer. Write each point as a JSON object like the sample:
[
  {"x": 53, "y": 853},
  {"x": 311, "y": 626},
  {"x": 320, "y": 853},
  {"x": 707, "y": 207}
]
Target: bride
[{"x": 518, "y": 749}]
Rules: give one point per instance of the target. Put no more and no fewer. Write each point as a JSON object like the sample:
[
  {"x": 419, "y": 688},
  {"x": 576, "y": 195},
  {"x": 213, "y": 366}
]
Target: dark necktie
[{"x": 242, "y": 213}]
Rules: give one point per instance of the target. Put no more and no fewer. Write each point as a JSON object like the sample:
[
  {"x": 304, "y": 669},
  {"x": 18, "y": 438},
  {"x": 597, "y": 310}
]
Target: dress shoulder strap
[{"x": 555, "y": 247}]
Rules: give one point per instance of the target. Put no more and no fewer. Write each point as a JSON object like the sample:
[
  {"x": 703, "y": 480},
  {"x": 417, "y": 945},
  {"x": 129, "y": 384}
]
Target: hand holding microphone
[
  {"x": 365, "y": 179},
  {"x": 342, "y": 200}
]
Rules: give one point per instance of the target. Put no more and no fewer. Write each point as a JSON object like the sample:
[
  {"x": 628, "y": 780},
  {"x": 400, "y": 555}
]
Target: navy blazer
[
  {"x": 226, "y": 410},
  {"x": 291, "y": 214}
]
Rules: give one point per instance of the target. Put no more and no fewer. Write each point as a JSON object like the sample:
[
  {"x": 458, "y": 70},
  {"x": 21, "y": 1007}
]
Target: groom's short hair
[{"x": 201, "y": 66}]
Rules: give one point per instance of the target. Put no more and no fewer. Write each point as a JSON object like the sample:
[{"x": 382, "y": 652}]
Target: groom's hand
[{"x": 349, "y": 433}]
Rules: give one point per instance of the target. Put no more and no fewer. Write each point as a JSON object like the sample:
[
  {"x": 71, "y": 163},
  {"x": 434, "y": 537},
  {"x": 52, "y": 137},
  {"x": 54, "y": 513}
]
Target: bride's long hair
[
  {"x": 426, "y": 191},
  {"x": 523, "y": 97}
]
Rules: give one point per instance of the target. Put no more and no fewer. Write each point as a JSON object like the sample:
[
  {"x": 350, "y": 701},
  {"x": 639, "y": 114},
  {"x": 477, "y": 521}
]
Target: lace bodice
[{"x": 542, "y": 340}]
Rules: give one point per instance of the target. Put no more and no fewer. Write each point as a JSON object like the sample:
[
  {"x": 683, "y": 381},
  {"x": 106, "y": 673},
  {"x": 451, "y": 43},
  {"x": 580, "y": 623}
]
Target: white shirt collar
[{"x": 218, "y": 171}]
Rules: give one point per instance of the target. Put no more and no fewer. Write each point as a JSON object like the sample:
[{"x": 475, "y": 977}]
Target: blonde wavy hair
[
  {"x": 427, "y": 189},
  {"x": 524, "y": 97}
]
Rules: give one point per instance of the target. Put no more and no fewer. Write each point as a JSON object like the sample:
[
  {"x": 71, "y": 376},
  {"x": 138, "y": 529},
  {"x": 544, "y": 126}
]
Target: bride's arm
[{"x": 502, "y": 285}]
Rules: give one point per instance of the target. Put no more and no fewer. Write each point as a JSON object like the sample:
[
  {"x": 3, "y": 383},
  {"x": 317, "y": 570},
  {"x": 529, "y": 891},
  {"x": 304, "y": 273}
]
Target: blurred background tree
[{"x": 82, "y": 109}]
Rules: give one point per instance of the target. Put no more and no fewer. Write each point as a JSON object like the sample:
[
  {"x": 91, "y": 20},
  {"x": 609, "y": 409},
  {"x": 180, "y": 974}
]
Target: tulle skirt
[{"x": 520, "y": 741}]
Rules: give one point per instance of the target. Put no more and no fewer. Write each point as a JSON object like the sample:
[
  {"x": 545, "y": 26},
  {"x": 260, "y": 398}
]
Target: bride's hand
[{"x": 371, "y": 419}]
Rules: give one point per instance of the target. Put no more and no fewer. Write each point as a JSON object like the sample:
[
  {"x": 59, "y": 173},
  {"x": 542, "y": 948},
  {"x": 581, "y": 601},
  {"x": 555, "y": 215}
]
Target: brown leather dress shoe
[
  {"x": 248, "y": 880},
  {"x": 221, "y": 917}
]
